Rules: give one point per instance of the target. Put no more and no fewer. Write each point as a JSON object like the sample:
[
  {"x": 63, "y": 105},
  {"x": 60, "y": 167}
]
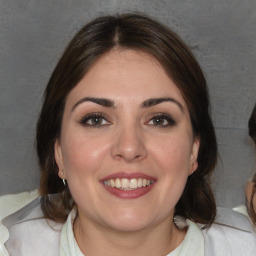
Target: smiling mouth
[{"x": 128, "y": 184}]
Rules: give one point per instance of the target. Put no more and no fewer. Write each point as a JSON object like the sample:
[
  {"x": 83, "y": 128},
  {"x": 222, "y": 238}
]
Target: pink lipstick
[{"x": 128, "y": 185}]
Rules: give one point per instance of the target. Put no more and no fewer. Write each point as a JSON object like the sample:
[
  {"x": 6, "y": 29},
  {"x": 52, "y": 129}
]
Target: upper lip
[{"x": 128, "y": 175}]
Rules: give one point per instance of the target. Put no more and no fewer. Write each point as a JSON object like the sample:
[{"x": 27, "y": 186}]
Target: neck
[{"x": 159, "y": 239}]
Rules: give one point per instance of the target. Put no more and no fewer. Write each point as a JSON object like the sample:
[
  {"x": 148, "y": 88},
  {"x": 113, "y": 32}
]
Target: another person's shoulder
[
  {"x": 230, "y": 234},
  {"x": 242, "y": 209},
  {"x": 11, "y": 203},
  {"x": 27, "y": 232}
]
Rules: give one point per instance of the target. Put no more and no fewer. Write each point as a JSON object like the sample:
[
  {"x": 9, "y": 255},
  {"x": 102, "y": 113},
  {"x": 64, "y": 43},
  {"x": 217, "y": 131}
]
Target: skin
[
  {"x": 128, "y": 139},
  {"x": 249, "y": 191}
]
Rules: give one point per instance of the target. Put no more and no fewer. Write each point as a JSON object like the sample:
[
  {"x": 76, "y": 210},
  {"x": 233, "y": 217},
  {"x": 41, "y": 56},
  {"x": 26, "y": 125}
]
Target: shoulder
[
  {"x": 230, "y": 234},
  {"x": 13, "y": 202},
  {"x": 242, "y": 209},
  {"x": 27, "y": 232},
  {"x": 9, "y": 204},
  {"x": 233, "y": 219}
]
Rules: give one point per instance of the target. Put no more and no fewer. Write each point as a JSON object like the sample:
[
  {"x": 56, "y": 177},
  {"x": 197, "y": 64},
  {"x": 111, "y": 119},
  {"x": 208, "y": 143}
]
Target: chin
[{"x": 129, "y": 223}]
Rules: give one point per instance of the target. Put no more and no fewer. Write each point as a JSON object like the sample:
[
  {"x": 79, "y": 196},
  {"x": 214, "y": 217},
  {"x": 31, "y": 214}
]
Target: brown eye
[
  {"x": 159, "y": 121},
  {"x": 94, "y": 120},
  {"x": 162, "y": 121}
]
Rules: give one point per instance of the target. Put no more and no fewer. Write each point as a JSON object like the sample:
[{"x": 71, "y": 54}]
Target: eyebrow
[
  {"x": 155, "y": 101},
  {"x": 100, "y": 101},
  {"x": 145, "y": 104}
]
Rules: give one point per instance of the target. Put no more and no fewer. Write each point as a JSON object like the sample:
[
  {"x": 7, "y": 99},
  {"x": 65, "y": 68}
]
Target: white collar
[
  {"x": 192, "y": 245},
  {"x": 68, "y": 244}
]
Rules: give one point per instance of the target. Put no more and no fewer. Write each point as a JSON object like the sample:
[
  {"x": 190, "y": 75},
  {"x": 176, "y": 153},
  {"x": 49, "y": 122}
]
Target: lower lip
[{"x": 129, "y": 194}]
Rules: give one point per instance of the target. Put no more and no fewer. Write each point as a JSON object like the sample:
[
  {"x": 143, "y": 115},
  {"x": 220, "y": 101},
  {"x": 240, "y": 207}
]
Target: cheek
[
  {"x": 254, "y": 203},
  {"x": 83, "y": 158},
  {"x": 83, "y": 155},
  {"x": 173, "y": 154},
  {"x": 173, "y": 163}
]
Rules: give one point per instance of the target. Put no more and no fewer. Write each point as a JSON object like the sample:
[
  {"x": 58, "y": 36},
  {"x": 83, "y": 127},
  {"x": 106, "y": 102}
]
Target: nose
[{"x": 129, "y": 145}]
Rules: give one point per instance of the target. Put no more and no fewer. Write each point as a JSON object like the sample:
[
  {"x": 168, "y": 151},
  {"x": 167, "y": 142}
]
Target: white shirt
[
  {"x": 27, "y": 233},
  {"x": 192, "y": 245}
]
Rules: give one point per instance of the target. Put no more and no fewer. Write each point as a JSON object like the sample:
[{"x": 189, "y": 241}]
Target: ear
[
  {"x": 194, "y": 155},
  {"x": 59, "y": 159}
]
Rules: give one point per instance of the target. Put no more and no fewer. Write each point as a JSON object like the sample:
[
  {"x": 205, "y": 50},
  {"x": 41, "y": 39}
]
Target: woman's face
[{"x": 126, "y": 145}]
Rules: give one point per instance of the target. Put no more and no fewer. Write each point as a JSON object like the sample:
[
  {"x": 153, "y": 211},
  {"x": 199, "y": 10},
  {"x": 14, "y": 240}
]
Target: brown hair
[
  {"x": 133, "y": 31},
  {"x": 252, "y": 133},
  {"x": 252, "y": 124},
  {"x": 250, "y": 207}
]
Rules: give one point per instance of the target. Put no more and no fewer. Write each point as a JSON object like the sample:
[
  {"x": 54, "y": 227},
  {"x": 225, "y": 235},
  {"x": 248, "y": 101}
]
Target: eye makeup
[
  {"x": 161, "y": 120},
  {"x": 94, "y": 120}
]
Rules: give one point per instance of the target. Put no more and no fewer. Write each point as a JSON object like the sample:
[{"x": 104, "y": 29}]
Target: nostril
[
  {"x": 118, "y": 157},
  {"x": 128, "y": 146}
]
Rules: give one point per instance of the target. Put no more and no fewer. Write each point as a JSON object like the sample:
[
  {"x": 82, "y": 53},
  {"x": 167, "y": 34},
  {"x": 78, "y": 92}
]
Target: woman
[
  {"x": 251, "y": 185},
  {"x": 249, "y": 209},
  {"x": 126, "y": 144}
]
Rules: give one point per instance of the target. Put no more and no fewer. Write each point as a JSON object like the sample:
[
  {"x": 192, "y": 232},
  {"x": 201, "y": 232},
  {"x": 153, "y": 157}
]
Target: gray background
[{"x": 221, "y": 34}]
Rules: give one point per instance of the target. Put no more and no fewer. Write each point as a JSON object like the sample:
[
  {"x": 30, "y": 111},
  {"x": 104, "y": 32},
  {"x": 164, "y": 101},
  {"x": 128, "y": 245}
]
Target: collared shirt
[
  {"x": 27, "y": 233},
  {"x": 192, "y": 245}
]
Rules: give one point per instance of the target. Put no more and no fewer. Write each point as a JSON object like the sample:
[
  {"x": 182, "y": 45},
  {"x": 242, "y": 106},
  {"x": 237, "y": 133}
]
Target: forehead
[{"x": 127, "y": 75}]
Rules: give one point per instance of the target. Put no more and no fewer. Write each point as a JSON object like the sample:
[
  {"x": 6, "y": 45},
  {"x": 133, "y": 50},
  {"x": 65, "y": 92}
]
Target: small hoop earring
[
  {"x": 192, "y": 173},
  {"x": 63, "y": 180}
]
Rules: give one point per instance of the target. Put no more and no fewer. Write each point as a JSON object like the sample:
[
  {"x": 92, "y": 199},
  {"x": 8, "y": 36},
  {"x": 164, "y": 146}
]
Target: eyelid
[
  {"x": 87, "y": 117},
  {"x": 167, "y": 117}
]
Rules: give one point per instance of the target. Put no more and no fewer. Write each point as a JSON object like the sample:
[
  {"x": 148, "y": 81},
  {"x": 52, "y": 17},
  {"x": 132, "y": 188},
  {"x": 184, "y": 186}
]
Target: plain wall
[{"x": 221, "y": 34}]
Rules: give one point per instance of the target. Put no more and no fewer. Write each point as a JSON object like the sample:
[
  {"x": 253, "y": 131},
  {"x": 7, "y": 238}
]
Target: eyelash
[
  {"x": 164, "y": 117},
  {"x": 84, "y": 120}
]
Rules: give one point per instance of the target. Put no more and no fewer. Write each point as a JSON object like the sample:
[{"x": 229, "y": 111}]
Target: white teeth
[
  {"x": 112, "y": 183},
  {"x": 133, "y": 183},
  {"x": 125, "y": 183},
  {"x": 128, "y": 184},
  {"x": 140, "y": 182},
  {"x": 118, "y": 183}
]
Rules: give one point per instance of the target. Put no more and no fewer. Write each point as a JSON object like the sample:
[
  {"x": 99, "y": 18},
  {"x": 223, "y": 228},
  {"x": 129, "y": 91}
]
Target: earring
[
  {"x": 63, "y": 180},
  {"x": 192, "y": 172}
]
